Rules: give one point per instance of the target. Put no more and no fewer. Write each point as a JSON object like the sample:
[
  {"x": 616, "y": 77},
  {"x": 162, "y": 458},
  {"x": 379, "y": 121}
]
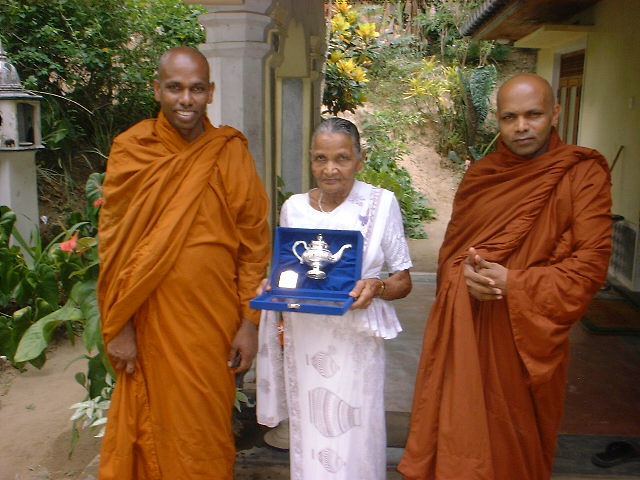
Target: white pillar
[
  {"x": 236, "y": 47},
  {"x": 18, "y": 188}
]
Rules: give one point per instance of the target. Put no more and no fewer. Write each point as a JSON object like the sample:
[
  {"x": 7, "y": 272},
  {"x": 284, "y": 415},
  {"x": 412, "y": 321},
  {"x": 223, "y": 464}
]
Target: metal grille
[{"x": 624, "y": 265}]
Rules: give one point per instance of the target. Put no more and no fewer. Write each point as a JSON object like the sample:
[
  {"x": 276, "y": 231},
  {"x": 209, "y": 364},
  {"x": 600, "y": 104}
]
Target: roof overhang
[
  {"x": 550, "y": 36},
  {"x": 512, "y": 20}
]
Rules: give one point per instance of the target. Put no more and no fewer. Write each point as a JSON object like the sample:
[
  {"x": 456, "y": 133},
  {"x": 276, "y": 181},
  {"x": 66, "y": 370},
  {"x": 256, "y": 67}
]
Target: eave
[{"x": 512, "y": 20}]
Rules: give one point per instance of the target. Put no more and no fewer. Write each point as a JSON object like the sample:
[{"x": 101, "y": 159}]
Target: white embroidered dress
[{"x": 332, "y": 374}]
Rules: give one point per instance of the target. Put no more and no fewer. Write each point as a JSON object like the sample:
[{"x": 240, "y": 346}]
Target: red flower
[
  {"x": 98, "y": 202},
  {"x": 69, "y": 245}
]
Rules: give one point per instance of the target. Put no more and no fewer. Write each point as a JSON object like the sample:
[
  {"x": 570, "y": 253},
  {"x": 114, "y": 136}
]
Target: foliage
[
  {"x": 458, "y": 97},
  {"x": 33, "y": 287},
  {"x": 79, "y": 54},
  {"x": 385, "y": 133},
  {"x": 449, "y": 78},
  {"x": 352, "y": 47},
  {"x": 56, "y": 288}
]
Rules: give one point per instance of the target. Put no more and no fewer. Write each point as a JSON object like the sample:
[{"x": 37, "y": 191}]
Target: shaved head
[
  {"x": 526, "y": 114},
  {"x": 184, "y": 90},
  {"x": 524, "y": 83},
  {"x": 176, "y": 53}
]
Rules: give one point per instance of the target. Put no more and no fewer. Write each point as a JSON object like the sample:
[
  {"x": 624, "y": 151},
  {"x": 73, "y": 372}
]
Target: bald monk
[
  {"x": 183, "y": 246},
  {"x": 526, "y": 249}
]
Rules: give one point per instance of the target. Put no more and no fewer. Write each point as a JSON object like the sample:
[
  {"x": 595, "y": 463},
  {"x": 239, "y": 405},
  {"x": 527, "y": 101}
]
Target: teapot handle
[{"x": 295, "y": 245}]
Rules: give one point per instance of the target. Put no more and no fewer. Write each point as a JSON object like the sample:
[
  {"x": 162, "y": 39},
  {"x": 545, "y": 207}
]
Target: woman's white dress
[{"x": 332, "y": 374}]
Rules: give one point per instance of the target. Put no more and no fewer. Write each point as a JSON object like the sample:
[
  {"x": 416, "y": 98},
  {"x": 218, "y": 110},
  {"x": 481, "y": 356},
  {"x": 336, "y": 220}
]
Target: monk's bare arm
[
  {"x": 244, "y": 347},
  {"x": 122, "y": 349}
]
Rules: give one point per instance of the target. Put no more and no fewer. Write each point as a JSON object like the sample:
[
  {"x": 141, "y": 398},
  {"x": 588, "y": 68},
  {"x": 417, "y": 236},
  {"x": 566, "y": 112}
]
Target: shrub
[
  {"x": 352, "y": 47},
  {"x": 80, "y": 53},
  {"x": 385, "y": 134}
]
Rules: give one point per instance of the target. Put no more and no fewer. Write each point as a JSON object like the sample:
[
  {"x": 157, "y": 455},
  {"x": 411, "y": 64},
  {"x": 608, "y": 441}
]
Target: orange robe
[
  {"x": 183, "y": 246},
  {"x": 490, "y": 384}
]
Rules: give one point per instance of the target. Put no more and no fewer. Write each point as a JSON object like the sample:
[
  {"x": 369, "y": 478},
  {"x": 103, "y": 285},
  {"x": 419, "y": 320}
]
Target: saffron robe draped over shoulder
[
  {"x": 490, "y": 384},
  {"x": 183, "y": 246}
]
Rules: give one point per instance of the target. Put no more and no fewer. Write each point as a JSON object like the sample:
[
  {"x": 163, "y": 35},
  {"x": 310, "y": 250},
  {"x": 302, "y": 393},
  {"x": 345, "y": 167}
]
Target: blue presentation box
[{"x": 293, "y": 291}]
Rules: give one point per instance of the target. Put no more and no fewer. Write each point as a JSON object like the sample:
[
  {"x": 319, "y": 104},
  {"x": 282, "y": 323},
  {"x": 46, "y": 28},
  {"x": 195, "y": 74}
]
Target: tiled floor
[
  {"x": 602, "y": 402},
  {"x": 603, "y": 388}
]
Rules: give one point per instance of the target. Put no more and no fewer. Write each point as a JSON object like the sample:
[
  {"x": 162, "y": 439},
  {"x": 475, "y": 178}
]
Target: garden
[{"x": 400, "y": 68}]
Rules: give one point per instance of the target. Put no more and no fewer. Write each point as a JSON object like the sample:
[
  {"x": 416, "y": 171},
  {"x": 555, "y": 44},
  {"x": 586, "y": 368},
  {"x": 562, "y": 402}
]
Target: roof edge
[{"x": 480, "y": 15}]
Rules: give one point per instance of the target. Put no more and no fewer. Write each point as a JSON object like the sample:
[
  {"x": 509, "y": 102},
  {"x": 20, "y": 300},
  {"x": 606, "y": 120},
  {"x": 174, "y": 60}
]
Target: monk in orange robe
[
  {"x": 183, "y": 247},
  {"x": 526, "y": 249}
]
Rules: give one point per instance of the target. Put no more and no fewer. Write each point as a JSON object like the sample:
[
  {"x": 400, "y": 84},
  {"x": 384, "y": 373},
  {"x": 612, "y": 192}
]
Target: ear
[
  {"x": 556, "y": 115},
  {"x": 363, "y": 157},
  {"x": 156, "y": 89},
  {"x": 212, "y": 88}
]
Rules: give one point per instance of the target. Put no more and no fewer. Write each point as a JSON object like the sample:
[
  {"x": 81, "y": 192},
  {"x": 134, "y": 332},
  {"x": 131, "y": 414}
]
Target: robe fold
[
  {"x": 183, "y": 245},
  {"x": 490, "y": 384}
]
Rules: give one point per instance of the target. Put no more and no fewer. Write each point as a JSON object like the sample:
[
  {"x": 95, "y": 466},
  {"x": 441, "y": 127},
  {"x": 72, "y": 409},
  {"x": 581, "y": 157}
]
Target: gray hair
[{"x": 339, "y": 125}]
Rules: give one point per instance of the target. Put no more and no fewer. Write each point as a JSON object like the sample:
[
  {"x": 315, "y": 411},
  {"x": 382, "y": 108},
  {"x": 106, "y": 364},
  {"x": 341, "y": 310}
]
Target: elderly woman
[{"x": 332, "y": 376}]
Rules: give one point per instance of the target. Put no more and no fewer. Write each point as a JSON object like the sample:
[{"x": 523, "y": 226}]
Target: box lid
[{"x": 297, "y": 286}]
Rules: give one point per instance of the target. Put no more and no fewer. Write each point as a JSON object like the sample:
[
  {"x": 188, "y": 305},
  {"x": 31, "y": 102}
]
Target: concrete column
[
  {"x": 236, "y": 48},
  {"x": 18, "y": 188}
]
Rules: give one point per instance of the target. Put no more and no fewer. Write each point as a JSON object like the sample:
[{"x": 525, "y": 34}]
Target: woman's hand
[
  {"x": 264, "y": 286},
  {"x": 364, "y": 291},
  {"x": 398, "y": 285}
]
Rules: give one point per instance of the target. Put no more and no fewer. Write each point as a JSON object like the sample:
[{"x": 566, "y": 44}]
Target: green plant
[
  {"x": 352, "y": 48},
  {"x": 80, "y": 53},
  {"x": 458, "y": 100},
  {"x": 32, "y": 287},
  {"x": 385, "y": 134}
]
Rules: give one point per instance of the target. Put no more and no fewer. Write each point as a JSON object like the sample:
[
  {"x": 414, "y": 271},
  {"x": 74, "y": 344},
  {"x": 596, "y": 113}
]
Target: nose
[
  {"x": 330, "y": 166},
  {"x": 521, "y": 124},
  {"x": 185, "y": 98}
]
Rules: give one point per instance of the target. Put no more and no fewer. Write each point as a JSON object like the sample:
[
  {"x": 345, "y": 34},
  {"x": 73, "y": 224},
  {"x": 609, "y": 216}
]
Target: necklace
[{"x": 320, "y": 203}]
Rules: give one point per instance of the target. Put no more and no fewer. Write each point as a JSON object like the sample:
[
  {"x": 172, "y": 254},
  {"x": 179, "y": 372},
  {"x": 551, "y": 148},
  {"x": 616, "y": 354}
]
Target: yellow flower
[
  {"x": 359, "y": 75},
  {"x": 351, "y": 16},
  {"x": 346, "y": 65},
  {"x": 339, "y": 24},
  {"x": 343, "y": 6},
  {"x": 335, "y": 55},
  {"x": 367, "y": 30}
]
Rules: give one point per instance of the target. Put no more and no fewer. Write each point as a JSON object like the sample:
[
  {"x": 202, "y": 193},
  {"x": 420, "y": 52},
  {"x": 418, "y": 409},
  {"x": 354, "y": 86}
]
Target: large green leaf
[
  {"x": 47, "y": 284},
  {"x": 11, "y": 329},
  {"x": 7, "y": 220},
  {"x": 93, "y": 187},
  {"x": 38, "y": 336},
  {"x": 84, "y": 294},
  {"x": 481, "y": 84},
  {"x": 7, "y": 343}
]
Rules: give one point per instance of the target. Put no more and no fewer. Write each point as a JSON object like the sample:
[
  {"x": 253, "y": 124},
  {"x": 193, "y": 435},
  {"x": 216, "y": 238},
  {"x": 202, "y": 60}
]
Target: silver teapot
[{"x": 318, "y": 254}]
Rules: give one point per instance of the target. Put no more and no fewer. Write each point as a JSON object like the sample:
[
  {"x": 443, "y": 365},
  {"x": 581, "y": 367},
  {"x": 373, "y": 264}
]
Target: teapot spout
[{"x": 338, "y": 255}]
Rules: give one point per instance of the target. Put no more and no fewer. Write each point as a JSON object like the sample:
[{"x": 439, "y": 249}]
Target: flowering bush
[{"x": 352, "y": 48}]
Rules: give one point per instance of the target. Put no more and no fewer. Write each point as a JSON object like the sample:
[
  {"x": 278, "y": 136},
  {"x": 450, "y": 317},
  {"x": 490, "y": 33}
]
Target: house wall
[
  {"x": 611, "y": 101},
  {"x": 610, "y": 110}
]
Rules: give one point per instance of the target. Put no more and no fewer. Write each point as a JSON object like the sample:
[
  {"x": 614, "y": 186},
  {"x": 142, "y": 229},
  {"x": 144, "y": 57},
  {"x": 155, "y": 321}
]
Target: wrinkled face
[
  {"x": 183, "y": 90},
  {"x": 526, "y": 114},
  {"x": 334, "y": 163}
]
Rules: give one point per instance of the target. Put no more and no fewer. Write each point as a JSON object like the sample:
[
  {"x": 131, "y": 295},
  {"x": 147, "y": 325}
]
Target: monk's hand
[
  {"x": 364, "y": 291},
  {"x": 243, "y": 347},
  {"x": 122, "y": 348},
  {"x": 485, "y": 280}
]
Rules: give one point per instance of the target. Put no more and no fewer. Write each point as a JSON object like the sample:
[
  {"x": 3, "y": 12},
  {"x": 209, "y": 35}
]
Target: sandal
[{"x": 616, "y": 453}]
